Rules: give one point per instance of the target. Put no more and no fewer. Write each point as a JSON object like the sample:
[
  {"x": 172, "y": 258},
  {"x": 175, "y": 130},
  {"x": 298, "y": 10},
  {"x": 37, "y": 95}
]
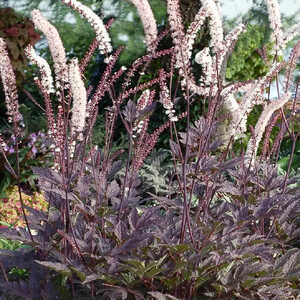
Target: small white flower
[{"x": 108, "y": 59}]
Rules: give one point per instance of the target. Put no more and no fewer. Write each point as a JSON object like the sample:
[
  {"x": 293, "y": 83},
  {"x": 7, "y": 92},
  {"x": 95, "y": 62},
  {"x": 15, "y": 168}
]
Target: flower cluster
[
  {"x": 238, "y": 123},
  {"x": 79, "y": 98},
  {"x": 3, "y": 144},
  {"x": 215, "y": 22},
  {"x": 142, "y": 103},
  {"x": 56, "y": 48},
  {"x": 9, "y": 85},
  {"x": 35, "y": 142},
  {"x": 140, "y": 127},
  {"x": 46, "y": 75},
  {"x": 149, "y": 23},
  {"x": 165, "y": 98},
  {"x": 194, "y": 28},
  {"x": 178, "y": 36},
  {"x": 204, "y": 59},
  {"x": 262, "y": 123},
  {"x": 253, "y": 95},
  {"x": 291, "y": 66},
  {"x": 102, "y": 36},
  {"x": 275, "y": 22}
]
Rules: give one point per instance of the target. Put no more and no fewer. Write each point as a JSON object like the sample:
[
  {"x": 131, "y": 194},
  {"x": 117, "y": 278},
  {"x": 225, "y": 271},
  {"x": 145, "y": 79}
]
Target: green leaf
[
  {"x": 4, "y": 184},
  {"x": 80, "y": 274},
  {"x": 58, "y": 267},
  {"x": 139, "y": 265},
  {"x": 160, "y": 296},
  {"x": 92, "y": 277},
  {"x": 156, "y": 264},
  {"x": 153, "y": 272},
  {"x": 200, "y": 281}
]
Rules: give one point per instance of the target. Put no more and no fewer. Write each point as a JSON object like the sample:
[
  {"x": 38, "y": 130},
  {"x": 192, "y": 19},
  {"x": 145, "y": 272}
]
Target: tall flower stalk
[
  {"x": 10, "y": 87},
  {"x": 99, "y": 223},
  {"x": 149, "y": 23}
]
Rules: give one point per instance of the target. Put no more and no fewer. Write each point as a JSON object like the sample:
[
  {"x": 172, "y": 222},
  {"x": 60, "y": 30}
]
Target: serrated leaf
[
  {"x": 48, "y": 175},
  {"x": 280, "y": 262},
  {"x": 293, "y": 260},
  {"x": 130, "y": 111},
  {"x": 287, "y": 212},
  {"x": 118, "y": 231},
  {"x": 113, "y": 189}
]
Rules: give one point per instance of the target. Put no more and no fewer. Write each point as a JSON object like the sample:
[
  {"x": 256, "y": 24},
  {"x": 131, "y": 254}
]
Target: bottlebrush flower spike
[
  {"x": 178, "y": 36},
  {"x": 145, "y": 100},
  {"x": 3, "y": 145},
  {"x": 149, "y": 23},
  {"x": 238, "y": 123},
  {"x": 204, "y": 59},
  {"x": 230, "y": 41},
  {"x": 275, "y": 22},
  {"x": 45, "y": 71},
  {"x": 254, "y": 95},
  {"x": 102, "y": 35},
  {"x": 79, "y": 98},
  {"x": 291, "y": 66},
  {"x": 194, "y": 27},
  {"x": 182, "y": 48},
  {"x": 216, "y": 28},
  {"x": 261, "y": 126},
  {"x": 56, "y": 48},
  {"x": 9, "y": 85},
  {"x": 165, "y": 98}
]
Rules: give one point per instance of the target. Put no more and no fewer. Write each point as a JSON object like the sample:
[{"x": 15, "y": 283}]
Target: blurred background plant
[
  {"x": 18, "y": 31},
  {"x": 10, "y": 207},
  {"x": 33, "y": 151}
]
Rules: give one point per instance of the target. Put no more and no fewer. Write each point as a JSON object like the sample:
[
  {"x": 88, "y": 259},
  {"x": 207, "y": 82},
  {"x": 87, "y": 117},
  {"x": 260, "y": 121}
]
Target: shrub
[
  {"x": 11, "y": 210},
  {"x": 217, "y": 226}
]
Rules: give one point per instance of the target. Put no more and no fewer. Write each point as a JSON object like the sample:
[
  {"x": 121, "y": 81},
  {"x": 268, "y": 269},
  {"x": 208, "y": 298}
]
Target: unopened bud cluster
[
  {"x": 144, "y": 100},
  {"x": 165, "y": 98}
]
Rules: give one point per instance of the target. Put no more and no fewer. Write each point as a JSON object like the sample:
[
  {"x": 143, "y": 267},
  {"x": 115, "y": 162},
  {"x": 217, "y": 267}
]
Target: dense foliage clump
[{"x": 198, "y": 220}]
